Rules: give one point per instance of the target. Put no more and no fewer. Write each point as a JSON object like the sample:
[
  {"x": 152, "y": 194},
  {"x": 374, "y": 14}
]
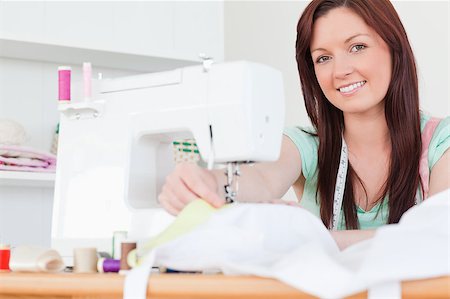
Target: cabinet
[
  {"x": 140, "y": 36},
  {"x": 118, "y": 38}
]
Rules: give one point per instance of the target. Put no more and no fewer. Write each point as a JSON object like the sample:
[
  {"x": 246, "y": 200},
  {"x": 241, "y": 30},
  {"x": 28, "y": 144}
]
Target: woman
[{"x": 358, "y": 167}]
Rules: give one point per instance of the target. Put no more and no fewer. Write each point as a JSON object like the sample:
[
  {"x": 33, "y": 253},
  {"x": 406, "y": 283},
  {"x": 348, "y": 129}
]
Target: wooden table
[{"x": 102, "y": 286}]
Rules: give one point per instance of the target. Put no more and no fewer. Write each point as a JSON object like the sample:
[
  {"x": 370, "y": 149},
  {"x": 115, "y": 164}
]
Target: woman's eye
[
  {"x": 322, "y": 59},
  {"x": 357, "y": 48}
]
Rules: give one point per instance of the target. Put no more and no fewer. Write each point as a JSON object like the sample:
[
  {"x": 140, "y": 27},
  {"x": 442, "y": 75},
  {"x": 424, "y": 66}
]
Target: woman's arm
[
  {"x": 440, "y": 175},
  {"x": 261, "y": 182},
  {"x": 345, "y": 238},
  {"x": 268, "y": 180}
]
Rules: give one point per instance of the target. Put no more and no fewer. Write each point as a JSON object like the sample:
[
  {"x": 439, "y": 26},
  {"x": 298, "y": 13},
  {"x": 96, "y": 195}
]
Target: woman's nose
[{"x": 342, "y": 67}]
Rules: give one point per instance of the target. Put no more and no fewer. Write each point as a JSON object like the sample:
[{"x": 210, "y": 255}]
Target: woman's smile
[{"x": 352, "y": 88}]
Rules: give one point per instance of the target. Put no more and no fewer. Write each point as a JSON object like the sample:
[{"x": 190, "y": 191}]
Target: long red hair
[{"x": 401, "y": 110}]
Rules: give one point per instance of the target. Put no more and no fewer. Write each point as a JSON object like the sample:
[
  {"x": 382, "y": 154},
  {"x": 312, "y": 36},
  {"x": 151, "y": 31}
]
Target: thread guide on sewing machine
[{"x": 82, "y": 110}]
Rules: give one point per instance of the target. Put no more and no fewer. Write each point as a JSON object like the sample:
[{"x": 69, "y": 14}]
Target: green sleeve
[
  {"x": 307, "y": 146},
  {"x": 440, "y": 142}
]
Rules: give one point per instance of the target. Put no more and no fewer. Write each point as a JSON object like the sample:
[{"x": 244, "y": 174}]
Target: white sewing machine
[{"x": 116, "y": 150}]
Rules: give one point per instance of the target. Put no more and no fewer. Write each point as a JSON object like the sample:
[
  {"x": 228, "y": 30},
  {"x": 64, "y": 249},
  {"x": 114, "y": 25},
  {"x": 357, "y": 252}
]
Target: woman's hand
[{"x": 186, "y": 183}]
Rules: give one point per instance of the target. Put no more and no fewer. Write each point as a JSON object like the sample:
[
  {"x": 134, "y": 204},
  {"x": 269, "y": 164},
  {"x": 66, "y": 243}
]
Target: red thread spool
[{"x": 5, "y": 253}]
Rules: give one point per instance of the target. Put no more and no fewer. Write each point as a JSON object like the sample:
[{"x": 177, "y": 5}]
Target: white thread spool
[{"x": 85, "y": 260}]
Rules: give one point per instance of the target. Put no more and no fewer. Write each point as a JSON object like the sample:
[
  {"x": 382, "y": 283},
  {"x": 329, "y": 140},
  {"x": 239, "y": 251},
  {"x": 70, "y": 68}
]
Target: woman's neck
[{"x": 366, "y": 132}]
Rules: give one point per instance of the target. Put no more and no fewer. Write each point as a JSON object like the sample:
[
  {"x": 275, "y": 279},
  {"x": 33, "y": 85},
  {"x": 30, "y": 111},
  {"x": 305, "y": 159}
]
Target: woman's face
[{"x": 353, "y": 64}]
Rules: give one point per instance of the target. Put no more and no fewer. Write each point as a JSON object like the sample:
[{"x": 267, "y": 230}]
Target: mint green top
[{"x": 308, "y": 146}]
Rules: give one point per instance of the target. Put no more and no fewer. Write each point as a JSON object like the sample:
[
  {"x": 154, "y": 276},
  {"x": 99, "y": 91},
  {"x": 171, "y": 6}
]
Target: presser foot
[{"x": 231, "y": 188}]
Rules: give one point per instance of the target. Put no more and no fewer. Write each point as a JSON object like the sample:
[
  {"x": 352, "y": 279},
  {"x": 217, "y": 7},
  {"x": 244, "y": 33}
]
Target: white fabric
[
  {"x": 11, "y": 132},
  {"x": 292, "y": 245},
  {"x": 387, "y": 290},
  {"x": 136, "y": 280}
]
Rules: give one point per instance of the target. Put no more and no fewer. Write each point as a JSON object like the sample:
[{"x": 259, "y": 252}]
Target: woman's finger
[
  {"x": 181, "y": 191},
  {"x": 170, "y": 197},
  {"x": 205, "y": 188},
  {"x": 165, "y": 203}
]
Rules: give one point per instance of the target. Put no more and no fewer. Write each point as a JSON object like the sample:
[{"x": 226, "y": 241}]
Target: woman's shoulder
[
  {"x": 443, "y": 123},
  {"x": 303, "y": 131},
  {"x": 302, "y": 136},
  {"x": 307, "y": 143},
  {"x": 435, "y": 132}
]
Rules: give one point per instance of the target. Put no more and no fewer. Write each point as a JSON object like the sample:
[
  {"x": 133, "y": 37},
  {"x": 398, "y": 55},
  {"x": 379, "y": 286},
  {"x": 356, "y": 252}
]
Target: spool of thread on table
[
  {"x": 118, "y": 238},
  {"x": 5, "y": 254},
  {"x": 125, "y": 249},
  {"x": 85, "y": 260},
  {"x": 105, "y": 265}
]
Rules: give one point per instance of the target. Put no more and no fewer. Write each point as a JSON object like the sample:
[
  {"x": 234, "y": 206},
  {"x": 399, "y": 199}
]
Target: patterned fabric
[{"x": 185, "y": 151}]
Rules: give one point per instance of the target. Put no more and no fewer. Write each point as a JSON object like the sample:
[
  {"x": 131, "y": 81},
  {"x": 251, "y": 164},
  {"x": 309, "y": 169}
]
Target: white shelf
[
  {"x": 27, "y": 179},
  {"x": 29, "y": 50}
]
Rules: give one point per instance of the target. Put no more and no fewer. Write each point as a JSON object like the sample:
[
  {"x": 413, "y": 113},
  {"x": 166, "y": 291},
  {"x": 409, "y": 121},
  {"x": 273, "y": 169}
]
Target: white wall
[
  {"x": 265, "y": 31},
  {"x": 427, "y": 25}
]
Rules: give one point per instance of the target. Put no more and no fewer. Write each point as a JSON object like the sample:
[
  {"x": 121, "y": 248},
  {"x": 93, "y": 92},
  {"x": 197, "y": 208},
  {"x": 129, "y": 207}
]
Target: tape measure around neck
[{"x": 340, "y": 185}]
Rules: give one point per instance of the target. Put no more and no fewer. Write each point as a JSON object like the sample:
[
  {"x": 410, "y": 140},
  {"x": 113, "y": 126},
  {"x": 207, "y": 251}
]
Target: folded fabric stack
[
  {"x": 16, "y": 157},
  {"x": 20, "y": 158}
]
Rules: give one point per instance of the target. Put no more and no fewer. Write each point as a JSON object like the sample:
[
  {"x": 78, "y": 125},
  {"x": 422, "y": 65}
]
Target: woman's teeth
[{"x": 352, "y": 87}]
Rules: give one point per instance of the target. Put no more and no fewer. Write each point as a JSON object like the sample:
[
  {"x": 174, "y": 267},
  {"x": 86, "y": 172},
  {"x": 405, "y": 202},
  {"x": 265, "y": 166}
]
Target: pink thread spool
[
  {"x": 64, "y": 73},
  {"x": 87, "y": 79}
]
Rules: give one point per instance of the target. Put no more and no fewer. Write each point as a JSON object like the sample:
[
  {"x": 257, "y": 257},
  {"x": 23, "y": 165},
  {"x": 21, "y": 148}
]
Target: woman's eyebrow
[
  {"x": 345, "y": 42},
  {"x": 355, "y": 36}
]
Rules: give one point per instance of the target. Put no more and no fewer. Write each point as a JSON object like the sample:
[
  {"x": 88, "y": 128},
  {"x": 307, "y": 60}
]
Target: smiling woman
[
  {"x": 364, "y": 90},
  {"x": 371, "y": 154},
  {"x": 352, "y": 63}
]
